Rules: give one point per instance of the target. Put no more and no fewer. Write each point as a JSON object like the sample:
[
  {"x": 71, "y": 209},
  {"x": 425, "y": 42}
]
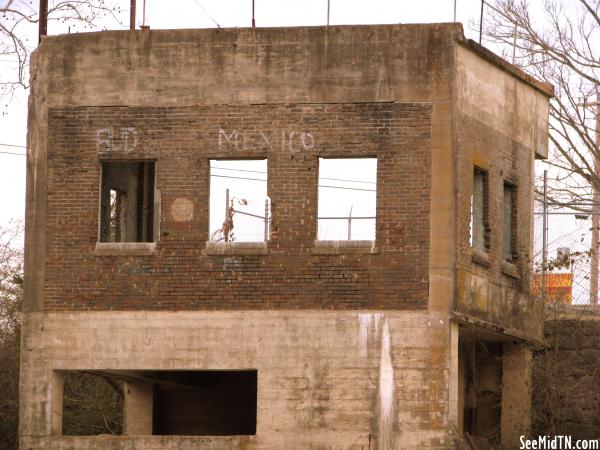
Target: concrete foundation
[{"x": 327, "y": 380}]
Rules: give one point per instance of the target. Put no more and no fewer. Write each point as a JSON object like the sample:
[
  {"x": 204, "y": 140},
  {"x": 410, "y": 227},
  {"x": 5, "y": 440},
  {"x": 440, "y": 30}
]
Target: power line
[
  {"x": 11, "y": 153},
  {"x": 206, "y": 12},
  {"x": 320, "y": 185},
  {"x": 322, "y": 178},
  {"x": 13, "y": 145}
]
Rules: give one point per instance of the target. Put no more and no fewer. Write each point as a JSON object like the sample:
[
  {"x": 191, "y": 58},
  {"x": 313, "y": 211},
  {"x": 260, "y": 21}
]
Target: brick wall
[
  {"x": 504, "y": 159},
  {"x": 183, "y": 140}
]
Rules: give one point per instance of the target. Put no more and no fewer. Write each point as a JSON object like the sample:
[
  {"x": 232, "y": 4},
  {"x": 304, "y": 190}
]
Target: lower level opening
[
  {"x": 214, "y": 403},
  {"x": 157, "y": 402}
]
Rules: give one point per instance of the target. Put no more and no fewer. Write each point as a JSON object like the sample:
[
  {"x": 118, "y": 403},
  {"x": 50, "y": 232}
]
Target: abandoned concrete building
[{"x": 416, "y": 336}]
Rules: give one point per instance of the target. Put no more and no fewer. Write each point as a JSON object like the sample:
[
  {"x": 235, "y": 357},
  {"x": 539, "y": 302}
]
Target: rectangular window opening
[
  {"x": 509, "y": 222},
  {"x": 127, "y": 201},
  {"x": 480, "y": 227},
  {"x": 156, "y": 402},
  {"x": 240, "y": 210},
  {"x": 92, "y": 405},
  {"x": 347, "y": 199}
]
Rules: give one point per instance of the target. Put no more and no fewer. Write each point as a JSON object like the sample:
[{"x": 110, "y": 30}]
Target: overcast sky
[{"x": 204, "y": 14}]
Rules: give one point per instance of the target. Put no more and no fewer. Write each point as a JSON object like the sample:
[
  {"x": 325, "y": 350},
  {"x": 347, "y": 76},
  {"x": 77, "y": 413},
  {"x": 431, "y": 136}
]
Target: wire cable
[
  {"x": 206, "y": 12},
  {"x": 322, "y": 178}
]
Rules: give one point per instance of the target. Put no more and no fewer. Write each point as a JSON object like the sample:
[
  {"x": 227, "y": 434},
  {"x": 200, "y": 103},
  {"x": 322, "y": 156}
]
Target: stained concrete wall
[
  {"x": 326, "y": 380},
  {"x": 501, "y": 125}
]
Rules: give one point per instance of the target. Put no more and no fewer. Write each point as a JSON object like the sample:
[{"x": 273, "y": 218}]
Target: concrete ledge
[
  {"x": 510, "y": 270},
  {"x": 481, "y": 258},
  {"x": 235, "y": 248},
  {"x": 344, "y": 248},
  {"x": 125, "y": 248}
]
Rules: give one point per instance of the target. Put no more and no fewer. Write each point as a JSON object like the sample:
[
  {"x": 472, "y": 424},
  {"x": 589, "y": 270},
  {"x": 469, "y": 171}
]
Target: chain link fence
[{"x": 569, "y": 244}]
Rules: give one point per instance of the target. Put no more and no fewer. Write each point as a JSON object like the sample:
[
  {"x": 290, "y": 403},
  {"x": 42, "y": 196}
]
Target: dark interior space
[
  {"x": 482, "y": 372},
  {"x": 209, "y": 403}
]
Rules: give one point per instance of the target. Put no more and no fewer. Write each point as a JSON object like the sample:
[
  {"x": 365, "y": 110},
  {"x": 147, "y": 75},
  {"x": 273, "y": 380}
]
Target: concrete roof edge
[
  {"x": 452, "y": 26},
  {"x": 545, "y": 88}
]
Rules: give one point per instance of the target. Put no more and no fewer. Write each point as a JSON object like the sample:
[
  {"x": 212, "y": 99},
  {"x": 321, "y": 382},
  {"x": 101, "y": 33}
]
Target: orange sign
[{"x": 559, "y": 287}]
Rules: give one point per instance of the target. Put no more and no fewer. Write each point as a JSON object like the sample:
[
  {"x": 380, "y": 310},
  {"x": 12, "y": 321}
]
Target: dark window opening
[
  {"x": 509, "y": 221},
  {"x": 480, "y": 226},
  {"x": 205, "y": 403},
  {"x": 127, "y": 201}
]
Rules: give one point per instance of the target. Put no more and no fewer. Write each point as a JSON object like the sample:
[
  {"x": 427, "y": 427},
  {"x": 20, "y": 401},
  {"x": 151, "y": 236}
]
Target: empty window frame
[
  {"x": 347, "y": 199},
  {"x": 239, "y": 206},
  {"x": 91, "y": 404},
  {"x": 127, "y": 201},
  {"x": 509, "y": 222},
  {"x": 480, "y": 227}
]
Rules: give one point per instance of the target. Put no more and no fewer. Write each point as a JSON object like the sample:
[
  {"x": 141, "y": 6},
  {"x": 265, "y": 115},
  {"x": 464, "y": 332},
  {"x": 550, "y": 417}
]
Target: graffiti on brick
[
  {"x": 116, "y": 140},
  {"x": 292, "y": 141}
]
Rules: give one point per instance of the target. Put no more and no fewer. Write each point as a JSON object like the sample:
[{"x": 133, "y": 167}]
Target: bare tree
[
  {"x": 11, "y": 283},
  {"x": 18, "y": 38},
  {"x": 558, "y": 41}
]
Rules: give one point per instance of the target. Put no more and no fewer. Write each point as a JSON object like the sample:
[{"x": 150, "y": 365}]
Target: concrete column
[
  {"x": 138, "y": 405},
  {"x": 516, "y": 394},
  {"x": 455, "y": 385},
  {"x": 58, "y": 384}
]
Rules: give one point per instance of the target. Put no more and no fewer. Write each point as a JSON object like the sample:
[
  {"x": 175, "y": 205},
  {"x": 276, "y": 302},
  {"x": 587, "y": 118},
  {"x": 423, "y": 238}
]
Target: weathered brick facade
[
  {"x": 352, "y": 345},
  {"x": 182, "y": 141}
]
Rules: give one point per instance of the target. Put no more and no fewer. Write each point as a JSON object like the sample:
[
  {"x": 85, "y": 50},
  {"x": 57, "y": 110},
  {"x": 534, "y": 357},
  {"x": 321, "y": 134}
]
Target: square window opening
[
  {"x": 480, "y": 226},
  {"x": 91, "y": 405},
  {"x": 347, "y": 199},
  {"x": 240, "y": 210},
  {"x": 509, "y": 222},
  {"x": 127, "y": 201}
]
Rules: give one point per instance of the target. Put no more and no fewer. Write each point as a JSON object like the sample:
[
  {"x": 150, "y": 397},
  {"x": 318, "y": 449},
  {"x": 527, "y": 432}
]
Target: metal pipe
[
  {"x": 346, "y": 217},
  {"x": 328, "y": 9},
  {"x": 350, "y": 224},
  {"x": 455, "y": 10},
  {"x": 481, "y": 21},
  {"x": 253, "y": 21},
  {"x": 144, "y": 14},
  {"x": 43, "y": 25},
  {"x": 226, "y": 204},
  {"x": 266, "y": 220},
  {"x": 132, "y": 15}
]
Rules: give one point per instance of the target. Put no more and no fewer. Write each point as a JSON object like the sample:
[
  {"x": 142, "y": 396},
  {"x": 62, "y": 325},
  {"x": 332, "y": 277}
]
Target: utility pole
[
  {"x": 544, "y": 237},
  {"x": 595, "y": 209},
  {"x": 132, "y": 15},
  {"x": 43, "y": 29},
  {"x": 481, "y": 21}
]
